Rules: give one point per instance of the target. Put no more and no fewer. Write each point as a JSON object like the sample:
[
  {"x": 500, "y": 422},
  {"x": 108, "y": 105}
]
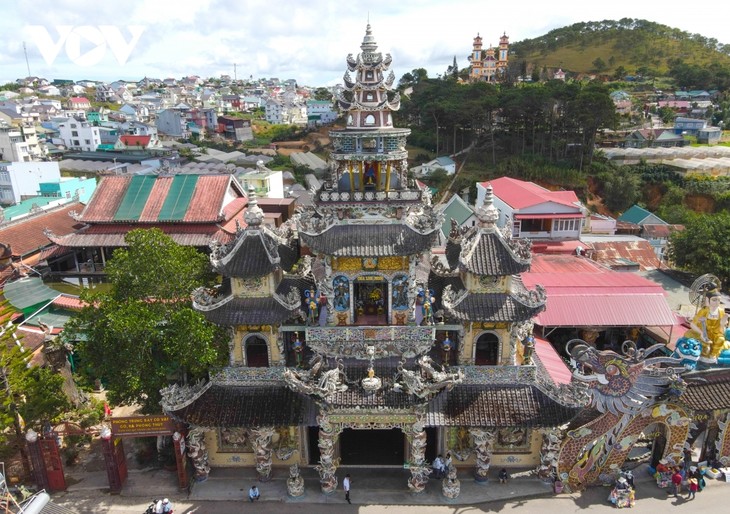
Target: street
[{"x": 650, "y": 499}]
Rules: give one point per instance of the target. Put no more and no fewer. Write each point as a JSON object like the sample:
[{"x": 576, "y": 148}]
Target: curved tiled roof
[
  {"x": 369, "y": 240},
  {"x": 707, "y": 390},
  {"x": 493, "y": 307},
  {"x": 490, "y": 256},
  {"x": 497, "y": 406},
  {"x": 248, "y": 311},
  {"x": 244, "y": 406}
]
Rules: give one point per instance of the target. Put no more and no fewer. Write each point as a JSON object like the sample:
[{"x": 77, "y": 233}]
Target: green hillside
[{"x": 639, "y": 46}]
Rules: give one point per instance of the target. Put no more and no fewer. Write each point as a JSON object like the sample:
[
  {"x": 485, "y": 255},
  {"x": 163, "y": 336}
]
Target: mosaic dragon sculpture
[{"x": 631, "y": 391}]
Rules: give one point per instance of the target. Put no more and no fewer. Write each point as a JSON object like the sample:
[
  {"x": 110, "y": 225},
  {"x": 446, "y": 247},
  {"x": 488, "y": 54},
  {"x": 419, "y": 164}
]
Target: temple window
[
  {"x": 369, "y": 119},
  {"x": 487, "y": 350},
  {"x": 368, "y": 75},
  {"x": 369, "y": 97}
]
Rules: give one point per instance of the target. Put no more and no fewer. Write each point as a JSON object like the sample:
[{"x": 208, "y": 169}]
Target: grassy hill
[{"x": 639, "y": 46}]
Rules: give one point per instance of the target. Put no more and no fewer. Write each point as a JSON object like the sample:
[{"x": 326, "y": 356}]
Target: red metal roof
[
  {"x": 554, "y": 365},
  {"x": 210, "y": 199},
  {"x": 639, "y": 251},
  {"x": 142, "y": 141},
  {"x": 26, "y": 236},
  {"x": 582, "y": 293},
  {"x": 563, "y": 215},
  {"x": 199, "y": 234},
  {"x": 519, "y": 194}
]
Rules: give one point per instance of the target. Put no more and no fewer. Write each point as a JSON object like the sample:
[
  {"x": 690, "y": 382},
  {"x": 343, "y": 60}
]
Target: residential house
[
  {"x": 237, "y": 129},
  {"x": 688, "y": 126},
  {"x": 709, "y": 135},
  {"x": 127, "y": 143},
  {"x": 12, "y": 144},
  {"x": 443, "y": 163},
  {"x": 457, "y": 212},
  {"x": 79, "y": 135},
  {"x": 559, "y": 75},
  {"x": 680, "y": 106},
  {"x": 265, "y": 182},
  {"x": 320, "y": 112},
  {"x": 192, "y": 209},
  {"x": 652, "y": 228},
  {"x": 652, "y": 138},
  {"x": 230, "y": 103},
  {"x": 49, "y": 90},
  {"x": 50, "y": 195},
  {"x": 173, "y": 123},
  {"x": 78, "y": 103},
  {"x": 135, "y": 128},
  {"x": 274, "y": 111},
  {"x": 20, "y": 180},
  {"x": 533, "y": 211},
  {"x": 622, "y": 101},
  {"x": 249, "y": 103}
]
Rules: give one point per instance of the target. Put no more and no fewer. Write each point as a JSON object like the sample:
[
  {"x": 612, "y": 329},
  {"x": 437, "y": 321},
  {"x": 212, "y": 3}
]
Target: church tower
[
  {"x": 503, "y": 53},
  {"x": 476, "y": 59}
]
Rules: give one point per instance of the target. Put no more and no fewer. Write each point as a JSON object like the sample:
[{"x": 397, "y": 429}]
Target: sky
[{"x": 304, "y": 40}]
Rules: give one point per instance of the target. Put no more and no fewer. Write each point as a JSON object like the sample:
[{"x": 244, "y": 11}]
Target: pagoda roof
[
  {"x": 486, "y": 252},
  {"x": 225, "y": 405},
  {"x": 112, "y": 235},
  {"x": 356, "y": 240},
  {"x": 707, "y": 390},
  {"x": 497, "y": 406},
  {"x": 232, "y": 311},
  {"x": 493, "y": 307},
  {"x": 253, "y": 253}
]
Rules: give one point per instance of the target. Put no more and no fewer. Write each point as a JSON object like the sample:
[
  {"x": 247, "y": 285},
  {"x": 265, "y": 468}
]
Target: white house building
[
  {"x": 21, "y": 180},
  {"x": 533, "y": 211},
  {"x": 79, "y": 135}
]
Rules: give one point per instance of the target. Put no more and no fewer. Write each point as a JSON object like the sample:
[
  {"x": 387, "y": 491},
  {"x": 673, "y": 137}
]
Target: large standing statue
[{"x": 708, "y": 327}]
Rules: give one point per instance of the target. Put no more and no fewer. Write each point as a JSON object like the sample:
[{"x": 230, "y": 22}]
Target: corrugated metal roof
[
  {"x": 581, "y": 293},
  {"x": 553, "y": 363},
  {"x": 605, "y": 310},
  {"x": 519, "y": 194}
]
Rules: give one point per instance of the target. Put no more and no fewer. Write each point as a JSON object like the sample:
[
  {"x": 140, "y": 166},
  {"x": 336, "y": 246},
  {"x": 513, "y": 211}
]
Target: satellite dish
[{"x": 700, "y": 287}]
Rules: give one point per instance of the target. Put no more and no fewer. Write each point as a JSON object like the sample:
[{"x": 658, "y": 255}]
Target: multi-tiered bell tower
[{"x": 369, "y": 155}]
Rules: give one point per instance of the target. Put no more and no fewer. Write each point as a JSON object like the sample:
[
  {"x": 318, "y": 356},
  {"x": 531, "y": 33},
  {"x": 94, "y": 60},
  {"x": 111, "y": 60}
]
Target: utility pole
[
  {"x": 235, "y": 77},
  {"x": 25, "y": 51}
]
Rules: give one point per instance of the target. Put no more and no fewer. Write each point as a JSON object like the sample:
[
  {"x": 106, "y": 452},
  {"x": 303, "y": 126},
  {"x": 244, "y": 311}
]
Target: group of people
[{"x": 695, "y": 482}]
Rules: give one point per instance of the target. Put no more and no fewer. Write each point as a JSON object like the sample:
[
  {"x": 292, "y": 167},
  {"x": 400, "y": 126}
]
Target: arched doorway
[
  {"x": 257, "y": 354},
  {"x": 487, "y": 350}
]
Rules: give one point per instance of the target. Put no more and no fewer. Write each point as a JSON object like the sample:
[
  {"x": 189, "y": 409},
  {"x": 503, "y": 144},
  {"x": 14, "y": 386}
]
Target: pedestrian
[
  {"x": 253, "y": 494},
  {"x": 676, "y": 483},
  {"x": 346, "y": 486},
  {"x": 447, "y": 462},
  {"x": 166, "y": 506},
  {"x": 503, "y": 476},
  {"x": 438, "y": 467},
  {"x": 694, "y": 486}
]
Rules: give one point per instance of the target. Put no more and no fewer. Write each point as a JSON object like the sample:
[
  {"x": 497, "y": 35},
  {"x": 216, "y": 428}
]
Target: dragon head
[{"x": 689, "y": 350}]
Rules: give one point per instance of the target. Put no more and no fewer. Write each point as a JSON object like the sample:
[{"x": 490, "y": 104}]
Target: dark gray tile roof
[
  {"x": 245, "y": 406},
  {"x": 492, "y": 307},
  {"x": 369, "y": 240},
  {"x": 251, "y": 254},
  {"x": 707, "y": 390},
  {"x": 496, "y": 406},
  {"x": 249, "y": 311},
  {"x": 491, "y": 257}
]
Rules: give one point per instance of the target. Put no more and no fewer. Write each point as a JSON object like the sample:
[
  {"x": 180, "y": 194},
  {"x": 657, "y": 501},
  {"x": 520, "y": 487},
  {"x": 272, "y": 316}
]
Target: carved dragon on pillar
[
  {"x": 483, "y": 445},
  {"x": 262, "y": 449}
]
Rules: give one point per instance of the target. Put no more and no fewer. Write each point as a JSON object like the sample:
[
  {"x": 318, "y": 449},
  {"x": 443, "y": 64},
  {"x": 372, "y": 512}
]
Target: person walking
[
  {"x": 346, "y": 486},
  {"x": 694, "y": 486},
  {"x": 253, "y": 494},
  {"x": 676, "y": 483}
]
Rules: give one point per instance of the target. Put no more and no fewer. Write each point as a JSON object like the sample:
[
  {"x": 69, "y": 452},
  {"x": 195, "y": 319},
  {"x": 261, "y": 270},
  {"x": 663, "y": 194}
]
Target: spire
[
  {"x": 253, "y": 215},
  {"x": 487, "y": 213},
  {"x": 368, "y": 42}
]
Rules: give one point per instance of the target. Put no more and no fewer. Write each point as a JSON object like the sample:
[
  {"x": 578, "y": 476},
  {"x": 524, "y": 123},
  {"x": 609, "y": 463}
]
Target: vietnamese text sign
[{"x": 141, "y": 426}]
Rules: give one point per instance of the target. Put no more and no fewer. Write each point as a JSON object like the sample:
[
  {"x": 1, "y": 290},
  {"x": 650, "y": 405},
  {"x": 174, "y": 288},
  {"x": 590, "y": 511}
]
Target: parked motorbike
[{"x": 151, "y": 507}]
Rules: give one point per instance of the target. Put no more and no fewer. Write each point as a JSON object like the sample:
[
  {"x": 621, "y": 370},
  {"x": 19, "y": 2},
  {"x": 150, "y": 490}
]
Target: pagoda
[{"x": 353, "y": 342}]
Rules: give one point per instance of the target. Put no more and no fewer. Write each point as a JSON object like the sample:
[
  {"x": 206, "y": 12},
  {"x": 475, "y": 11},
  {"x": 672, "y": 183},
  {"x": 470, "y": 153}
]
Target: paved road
[{"x": 650, "y": 500}]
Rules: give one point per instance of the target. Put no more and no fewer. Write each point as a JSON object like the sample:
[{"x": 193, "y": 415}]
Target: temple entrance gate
[{"x": 372, "y": 447}]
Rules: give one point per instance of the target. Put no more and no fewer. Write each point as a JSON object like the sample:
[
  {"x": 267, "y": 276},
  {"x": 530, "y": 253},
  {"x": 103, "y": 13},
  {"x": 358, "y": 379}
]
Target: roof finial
[
  {"x": 253, "y": 215},
  {"x": 488, "y": 213}
]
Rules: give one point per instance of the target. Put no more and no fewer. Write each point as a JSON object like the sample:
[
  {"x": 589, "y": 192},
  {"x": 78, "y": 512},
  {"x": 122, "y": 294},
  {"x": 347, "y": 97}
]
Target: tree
[
  {"x": 598, "y": 64},
  {"x": 703, "y": 246},
  {"x": 667, "y": 114},
  {"x": 323, "y": 94},
  {"x": 621, "y": 188},
  {"x": 30, "y": 393},
  {"x": 147, "y": 317}
]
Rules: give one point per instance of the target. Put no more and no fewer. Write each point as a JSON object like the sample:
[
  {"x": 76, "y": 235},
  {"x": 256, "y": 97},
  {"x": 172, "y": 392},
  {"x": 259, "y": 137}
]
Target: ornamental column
[
  {"x": 419, "y": 469},
  {"x": 327, "y": 467},
  {"x": 549, "y": 453},
  {"x": 198, "y": 453},
  {"x": 262, "y": 450},
  {"x": 484, "y": 446}
]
